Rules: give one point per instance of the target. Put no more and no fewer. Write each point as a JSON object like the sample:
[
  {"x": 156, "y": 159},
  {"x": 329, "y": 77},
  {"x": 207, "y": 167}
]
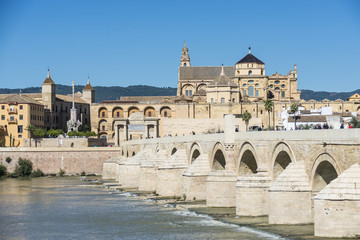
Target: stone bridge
[{"x": 275, "y": 173}]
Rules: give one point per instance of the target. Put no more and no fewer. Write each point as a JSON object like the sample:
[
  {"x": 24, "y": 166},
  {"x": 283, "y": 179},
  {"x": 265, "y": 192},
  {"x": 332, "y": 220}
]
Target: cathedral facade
[{"x": 204, "y": 95}]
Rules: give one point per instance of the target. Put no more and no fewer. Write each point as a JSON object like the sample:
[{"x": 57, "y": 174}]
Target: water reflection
[{"x": 59, "y": 208}]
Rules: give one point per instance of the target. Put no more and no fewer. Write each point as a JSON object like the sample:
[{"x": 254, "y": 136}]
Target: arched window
[
  {"x": 184, "y": 64},
  {"x": 250, "y": 72},
  {"x": 222, "y": 100},
  {"x": 251, "y": 91}
]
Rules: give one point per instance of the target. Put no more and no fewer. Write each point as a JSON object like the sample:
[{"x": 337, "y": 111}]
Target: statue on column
[{"x": 73, "y": 124}]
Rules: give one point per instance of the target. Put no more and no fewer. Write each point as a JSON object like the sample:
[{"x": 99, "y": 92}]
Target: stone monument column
[{"x": 116, "y": 134}]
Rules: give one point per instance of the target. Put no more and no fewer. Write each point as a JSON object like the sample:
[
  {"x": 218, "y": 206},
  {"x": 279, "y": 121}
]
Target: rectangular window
[
  {"x": 222, "y": 100},
  {"x": 12, "y": 118},
  {"x": 257, "y": 93},
  {"x": 244, "y": 92},
  {"x": 283, "y": 94},
  {"x": 19, "y": 136},
  {"x": 2, "y": 117},
  {"x": 21, "y": 117},
  {"x": 2, "y": 107},
  {"x": 212, "y": 100},
  {"x": 20, "y": 128},
  {"x": 21, "y": 107}
]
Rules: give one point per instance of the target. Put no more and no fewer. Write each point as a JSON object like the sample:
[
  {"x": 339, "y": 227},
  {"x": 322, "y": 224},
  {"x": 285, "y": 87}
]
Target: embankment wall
[{"x": 51, "y": 160}]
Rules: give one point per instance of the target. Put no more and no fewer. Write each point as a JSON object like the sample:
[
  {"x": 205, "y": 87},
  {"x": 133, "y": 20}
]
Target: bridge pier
[
  {"x": 130, "y": 170},
  {"x": 252, "y": 197},
  {"x": 290, "y": 196},
  {"x": 195, "y": 178},
  {"x": 220, "y": 188},
  {"x": 170, "y": 180},
  {"x": 337, "y": 206},
  {"x": 149, "y": 171}
]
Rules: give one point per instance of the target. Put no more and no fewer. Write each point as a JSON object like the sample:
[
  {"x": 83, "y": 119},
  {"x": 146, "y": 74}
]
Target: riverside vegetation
[{"x": 23, "y": 168}]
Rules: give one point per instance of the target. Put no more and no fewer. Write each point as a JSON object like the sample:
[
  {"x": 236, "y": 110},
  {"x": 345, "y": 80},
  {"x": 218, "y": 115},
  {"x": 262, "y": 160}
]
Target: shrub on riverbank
[
  {"x": 3, "y": 170},
  {"x": 37, "y": 173},
  {"x": 23, "y": 168},
  {"x": 61, "y": 172}
]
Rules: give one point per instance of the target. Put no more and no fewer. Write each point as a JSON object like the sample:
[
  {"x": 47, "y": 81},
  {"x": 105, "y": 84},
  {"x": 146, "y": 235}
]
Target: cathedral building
[{"x": 204, "y": 95}]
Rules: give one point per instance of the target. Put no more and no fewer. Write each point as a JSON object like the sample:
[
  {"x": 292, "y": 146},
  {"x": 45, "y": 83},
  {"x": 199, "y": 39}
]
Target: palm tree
[
  {"x": 268, "y": 107},
  {"x": 293, "y": 109},
  {"x": 246, "y": 116},
  {"x": 31, "y": 129}
]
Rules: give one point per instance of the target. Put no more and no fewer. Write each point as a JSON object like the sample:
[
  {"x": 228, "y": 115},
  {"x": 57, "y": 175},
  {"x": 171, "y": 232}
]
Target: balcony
[
  {"x": 12, "y": 121},
  {"x": 12, "y": 111}
]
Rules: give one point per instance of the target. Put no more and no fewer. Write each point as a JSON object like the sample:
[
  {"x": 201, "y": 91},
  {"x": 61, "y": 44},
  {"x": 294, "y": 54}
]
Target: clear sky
[{"x": 122, "y": 43}]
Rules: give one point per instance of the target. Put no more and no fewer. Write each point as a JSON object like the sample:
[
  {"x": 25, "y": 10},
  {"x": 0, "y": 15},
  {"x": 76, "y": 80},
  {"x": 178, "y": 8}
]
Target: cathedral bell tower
[
  {"x": 185, "y": 58},
  {"x": 48, "y": 92}
]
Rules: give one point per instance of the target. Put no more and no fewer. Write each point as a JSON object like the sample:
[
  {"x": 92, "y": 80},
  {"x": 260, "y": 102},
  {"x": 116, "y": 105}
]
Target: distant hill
[
  {"x": 320, "y": 95},
  {"x": 114, "y": 93},
  {"x": 103, "y": 93}
]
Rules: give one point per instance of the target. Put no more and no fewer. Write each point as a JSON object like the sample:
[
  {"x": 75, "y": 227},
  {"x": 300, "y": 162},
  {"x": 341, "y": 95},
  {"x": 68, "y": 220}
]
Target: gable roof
[
  {"x": 250, "y": 59},
  {"x": 19, "y": 99},
  {"x": 204, "y": 73}
]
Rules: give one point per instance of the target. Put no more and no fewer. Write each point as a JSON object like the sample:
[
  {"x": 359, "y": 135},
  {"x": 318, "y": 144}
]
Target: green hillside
[{"x": 115, "y": 92}]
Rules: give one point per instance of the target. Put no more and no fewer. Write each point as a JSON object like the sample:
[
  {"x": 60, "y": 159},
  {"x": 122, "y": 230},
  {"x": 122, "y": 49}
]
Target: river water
[{"x": 62, "y": 208}]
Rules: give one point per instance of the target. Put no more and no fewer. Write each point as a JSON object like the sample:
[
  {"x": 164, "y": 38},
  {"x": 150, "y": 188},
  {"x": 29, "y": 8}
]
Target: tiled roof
[
  {"x": 149, "y": 99},
  {"x": 49, "y": 80},
  {"x": 68, "y": 98},
  {"x": 19, "y": 98},
  {"x": 88, "y": 87},
  {"x": 204, "y": 73},
  {"x": 223, "y": 80},
  {"x": 250, "y": 59},
  {"x": 315, "y": 118}
]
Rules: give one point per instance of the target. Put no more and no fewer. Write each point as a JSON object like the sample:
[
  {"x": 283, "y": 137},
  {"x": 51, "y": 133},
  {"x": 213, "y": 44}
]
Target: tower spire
[
  {"x": 48, "y": 74},
  {"x": 185, "y": 58},
  {"x": 249, "y": 50},
  {"x": 222, "y": 70}
]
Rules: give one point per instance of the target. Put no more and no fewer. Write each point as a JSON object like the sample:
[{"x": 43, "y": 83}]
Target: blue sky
[{"x": 122, "y": 43}]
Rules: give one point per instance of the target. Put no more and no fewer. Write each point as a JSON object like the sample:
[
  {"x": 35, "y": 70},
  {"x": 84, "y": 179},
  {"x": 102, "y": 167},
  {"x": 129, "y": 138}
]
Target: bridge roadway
[{"x": 275, "y": 173}]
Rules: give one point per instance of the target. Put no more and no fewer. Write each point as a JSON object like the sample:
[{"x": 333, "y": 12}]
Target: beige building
[
  {"x": 46, "y": 109},
  {"x": 204, "y": 96},
  {"x": 17, "y": 112}
]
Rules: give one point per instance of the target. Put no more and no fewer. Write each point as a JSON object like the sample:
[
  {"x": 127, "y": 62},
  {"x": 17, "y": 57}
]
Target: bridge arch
[
  {"x": 247, "y": 160},
  {"x": 195, "y": 152},
  {"x": 132, "y": 109},
  {"x": 282, "y": 156},
  {"x": 324, "y": 170},
  {"x": 149, "y": 111},
  {"x": 218, "y": 159}
]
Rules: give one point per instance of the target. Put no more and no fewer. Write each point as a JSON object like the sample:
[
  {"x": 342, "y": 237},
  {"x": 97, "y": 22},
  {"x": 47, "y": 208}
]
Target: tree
[
  {"x": 31, "y": 129},
  {"x": 293, "y": 109},
  {"x": 246, "y": 116},
  {"x": 40, "y": 132},
  {"x": 268, "y": 107},
  {"x": 354, "y": 122}
]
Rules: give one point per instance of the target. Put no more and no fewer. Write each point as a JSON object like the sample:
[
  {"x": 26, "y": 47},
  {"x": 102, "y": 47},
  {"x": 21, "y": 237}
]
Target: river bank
[{"x": 258, "y": 225}]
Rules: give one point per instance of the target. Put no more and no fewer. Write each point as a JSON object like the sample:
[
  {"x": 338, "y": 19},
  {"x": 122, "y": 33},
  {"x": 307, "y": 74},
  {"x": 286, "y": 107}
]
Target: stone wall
[
  {"x": 51, "y": 160},
  {"x": 64, "y": 142},
  {"x": 176, "y": 126}
]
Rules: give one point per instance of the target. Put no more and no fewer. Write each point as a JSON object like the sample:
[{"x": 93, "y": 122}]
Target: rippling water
[{"x": 60, "y": 208}]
